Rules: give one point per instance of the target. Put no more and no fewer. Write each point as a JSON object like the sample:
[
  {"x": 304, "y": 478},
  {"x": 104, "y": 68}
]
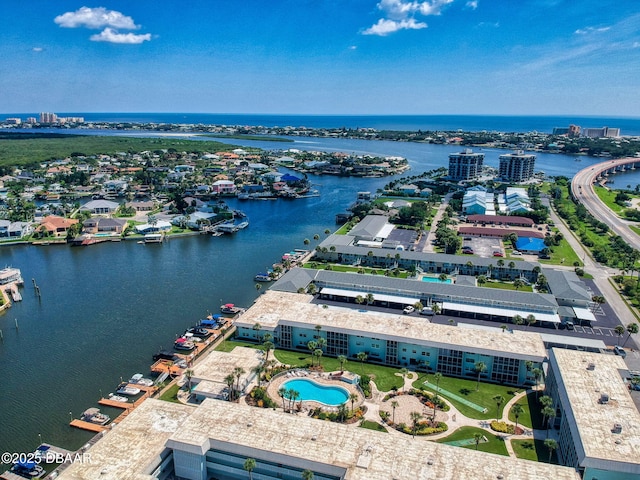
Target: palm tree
[
  {"x": 249, "y": 465},
  {"x": 415, "y": 418},
  {"x": 619, "y": 330},
  {"x": 511, "y": 265},
  {"x": 437, "y": 376},
  {"x": 327, "y": 231},
  {"x": 342, "y": 359},
  {"x": 443, "y": 277},
  {"x": 353, "y": 397},
  {"x": 500, "y": 263},
  {"x": 238, "y": 372},
  {"x": 394, "y": 405},
  {"x": 479, "y": 367},
  {"x": 362, "y": 356},
  {"x": 359, "y": 299},
  {"x": 436, "y": 308},
  {"x": 537, "y": 375},
  {"x": 517, "y": 320},
  {"x": 230, "y": 380},
  {"x": 632, "y": 328},
  {"x": 258, "y": 369},
  {"x": 518, "y": 284},
  {"x": 268, "y": 346},
  {"x": 547, "y": 414},
  {"x": 316, "y": 237},
  {"x": 307, "y": 475},
  {"x": 504, "y": 327},
  {"x": 478, "y": 438},
  {"x": 258, "y": 287},
  {"x": 318, "y": 353},
  {"x": 551, "y": 444},
  {"x": 312, "y": 345},
  {"x": 481, "y": 280},
  {"x": 517, "y": 410},
  {"x": 531, "y": 319},
  {"x": 306, "y": 241},
  {"x": 322, "y": 342},
  {"x": 499, "y": 399},
  {"x": 282, "y": 392},
  {"x": 370, "y": 298},
  {"x": 188, "y": 374}
]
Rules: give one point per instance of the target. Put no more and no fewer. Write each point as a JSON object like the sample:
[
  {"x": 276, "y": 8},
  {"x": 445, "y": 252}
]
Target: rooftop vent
[
  {"x": 591, "y": 366},
  {"x": 617, "y": 428},
  {"x": 314, "y": 438},
  {"x": 604, "y": 398}
]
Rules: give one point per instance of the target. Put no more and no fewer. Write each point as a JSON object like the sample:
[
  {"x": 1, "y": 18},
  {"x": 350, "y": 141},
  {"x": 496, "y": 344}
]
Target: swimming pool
[
  {"x": 436, "y": 280},
  {"x": 310, "y": 390}
]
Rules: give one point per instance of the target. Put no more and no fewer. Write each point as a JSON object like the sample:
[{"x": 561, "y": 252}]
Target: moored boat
[
  {"x": 183, "y": 343},
  {"x": 262, "y": 277},
  {"x": 199, "y": 331},
  {"x": 28, "y": 469},
  {"x": 126, "y": 389},
  {"x": 118, "y": 398},
  {"x": 230, "y": 308},
  {"x": 139, "y": 379},
  {"x": 94, "y": 415}
]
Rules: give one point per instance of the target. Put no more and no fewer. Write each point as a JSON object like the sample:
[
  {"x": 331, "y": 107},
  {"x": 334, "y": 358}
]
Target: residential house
[{"x": 56, "y": 226}]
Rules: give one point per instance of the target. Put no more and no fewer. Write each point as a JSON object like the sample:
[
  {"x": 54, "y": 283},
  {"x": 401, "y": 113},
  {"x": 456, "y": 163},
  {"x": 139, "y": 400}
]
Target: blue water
[
  {"x": 310, "y": 390},
  {"x": 469, "y": 123},
  {"x": 435, "y": 280}
]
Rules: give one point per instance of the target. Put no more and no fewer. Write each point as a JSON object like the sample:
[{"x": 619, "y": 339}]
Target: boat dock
[{"x": 92, "y": 427}]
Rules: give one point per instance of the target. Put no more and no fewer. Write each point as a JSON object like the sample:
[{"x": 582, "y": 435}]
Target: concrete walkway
[{"x": 453, "y": 418}]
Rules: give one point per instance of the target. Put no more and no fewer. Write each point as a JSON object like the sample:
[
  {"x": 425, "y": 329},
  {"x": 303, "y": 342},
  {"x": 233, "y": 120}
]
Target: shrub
[{"x": 503, "y": 427}]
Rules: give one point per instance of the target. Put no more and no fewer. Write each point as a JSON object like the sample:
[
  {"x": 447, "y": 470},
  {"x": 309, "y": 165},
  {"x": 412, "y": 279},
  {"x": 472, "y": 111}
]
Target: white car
[
  {"x": 516, "y": 253},
  {"x": 408, "y": 309}
]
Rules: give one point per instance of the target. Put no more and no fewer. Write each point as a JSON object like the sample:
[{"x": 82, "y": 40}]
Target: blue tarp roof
[
  {"x": 289, "y": 178},
  {"x": 530, "y": 244}
]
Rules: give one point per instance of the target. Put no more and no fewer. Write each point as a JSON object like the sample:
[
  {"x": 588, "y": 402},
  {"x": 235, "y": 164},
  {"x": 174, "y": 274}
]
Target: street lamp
[{"x": 40, "y": 437}]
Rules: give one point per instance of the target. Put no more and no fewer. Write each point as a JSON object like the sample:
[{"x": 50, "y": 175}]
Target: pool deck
[{"x": 322, "y": 378}]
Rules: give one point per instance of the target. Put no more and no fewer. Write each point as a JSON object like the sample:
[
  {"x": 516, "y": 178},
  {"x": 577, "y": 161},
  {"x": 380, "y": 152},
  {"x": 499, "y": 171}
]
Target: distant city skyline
[{"x": 479, "y": 57}]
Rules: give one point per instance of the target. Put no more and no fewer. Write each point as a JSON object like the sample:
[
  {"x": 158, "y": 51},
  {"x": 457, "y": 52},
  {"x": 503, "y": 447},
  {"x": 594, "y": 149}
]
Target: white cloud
[
  {"x": 37, "y": 49},
  {"x": 112, "y": 36},
  {"x": 635, "y": 45},
  {"x": 353, "y": 47},
  {"x": 472, "y": 4},
  {"x": 95, "y": 18},
  {"x": 587, "y": 30},
  {"x": 385, "y": 26},
  {"x": 399, "y": 15}
]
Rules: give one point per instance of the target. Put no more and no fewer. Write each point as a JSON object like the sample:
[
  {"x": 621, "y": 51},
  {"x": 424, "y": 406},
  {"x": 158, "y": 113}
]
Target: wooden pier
[{"x": 92, "y": 427}]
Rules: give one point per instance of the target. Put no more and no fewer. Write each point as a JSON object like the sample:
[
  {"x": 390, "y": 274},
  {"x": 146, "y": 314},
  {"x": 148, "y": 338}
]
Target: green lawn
[
  {"x": 532, "y": 416},
  {"x": 494, "y": 445},
  {"x": 507, "y": 286},
  {"x": 348, "y": 268},
  {"x": 561, "y": 252},
  {"x": 533, "y": 450},
  {"x": 385, "y": 378},
  {"x": 608, "y": 197},
  {"x": 368, "y": 424},
  {"x": 636, "y": 229},
  {"x": 467, "y": 389},
  {"x": 170, "y": 394}
]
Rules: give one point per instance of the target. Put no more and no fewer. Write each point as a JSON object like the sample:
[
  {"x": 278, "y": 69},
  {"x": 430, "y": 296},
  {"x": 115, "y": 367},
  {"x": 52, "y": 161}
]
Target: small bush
[{"x": 503, "y": 427}]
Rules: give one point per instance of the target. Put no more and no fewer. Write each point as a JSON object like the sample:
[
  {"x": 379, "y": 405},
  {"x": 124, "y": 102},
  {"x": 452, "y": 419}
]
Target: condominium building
[
  {"x": 47, "y": 117},
  {"x": 598, "y": 420},
  {"x": 517, "y": 166},
  {"x": 391, "y": 339},
  {"x": 162, "y": 440},
  {"x": 604, "y": 132},
  {"x": 465, "y": 165}
]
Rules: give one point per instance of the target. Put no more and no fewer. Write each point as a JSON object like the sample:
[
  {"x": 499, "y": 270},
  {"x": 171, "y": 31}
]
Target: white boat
[
  {"x": 125, "y": 389},
  {"x": 183, "y": 343},
  {"x": 242, "y": 225},
  {"x": 230, "y": 308},
  {"x": 262, "y": 277},
  {"x": 139, "y": 379},
  {"x": 118, "y": 398}
]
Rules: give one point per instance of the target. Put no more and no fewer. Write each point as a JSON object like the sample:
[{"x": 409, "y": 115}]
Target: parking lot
[
  {"x": 406, "y": 238},
  {"x": 483, "y": 246}
]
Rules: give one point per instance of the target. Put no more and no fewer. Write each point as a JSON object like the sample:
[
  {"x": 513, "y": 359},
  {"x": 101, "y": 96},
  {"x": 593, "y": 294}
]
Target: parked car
[
  {"x": 619, "y": 351},
  {"x": 516, "y": 253},
  {"x": 498, "y": 254},
  {"x": 408, "y": 309},
  {"x": 468, "y": 251},
  {"x": 427, "y": 311},
  {"x": 568, "y": 324}
]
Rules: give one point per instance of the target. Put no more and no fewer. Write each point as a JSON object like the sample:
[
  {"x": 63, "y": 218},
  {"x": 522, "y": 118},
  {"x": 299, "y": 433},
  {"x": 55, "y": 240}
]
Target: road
[{"x": 583, "y": 192}]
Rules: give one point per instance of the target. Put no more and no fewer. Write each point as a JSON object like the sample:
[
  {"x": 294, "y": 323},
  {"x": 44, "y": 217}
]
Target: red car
[{"x": 498, "y": 254}]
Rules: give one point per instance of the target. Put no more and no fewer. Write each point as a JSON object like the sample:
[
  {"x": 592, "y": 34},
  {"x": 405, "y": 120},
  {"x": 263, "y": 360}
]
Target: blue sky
[{"x": 547, "y": 57}]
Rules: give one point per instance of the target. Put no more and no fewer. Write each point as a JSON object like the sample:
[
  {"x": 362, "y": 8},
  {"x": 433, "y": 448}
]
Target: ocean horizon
[{"x": 629, "y": 126}]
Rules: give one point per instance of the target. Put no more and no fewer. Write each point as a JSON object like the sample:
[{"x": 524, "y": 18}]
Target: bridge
[{"x": 583, "y": 192}]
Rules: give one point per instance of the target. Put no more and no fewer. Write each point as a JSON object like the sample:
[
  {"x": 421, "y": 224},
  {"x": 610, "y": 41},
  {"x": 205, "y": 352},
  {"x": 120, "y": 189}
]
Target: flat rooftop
[
  {"x": 592, "y": 420},
  {"x": 130, "y": 450},
  {"x": 363, "y": 454},
  {"x": 214, "y": 366},
  {"x": 295, "y": 309}
]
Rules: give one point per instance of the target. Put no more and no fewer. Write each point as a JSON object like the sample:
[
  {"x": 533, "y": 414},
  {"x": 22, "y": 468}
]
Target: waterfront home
[
  {"x": 55, "y": 226},
  {"x": 100, "y": 207},
  {"x": 141, "y": 206},
  {"x": 14, "y": 229},
  {"x": 158, "y": 227},
  {"x": 104, "y": 225},
  {"x": 223, "y": 187}
]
